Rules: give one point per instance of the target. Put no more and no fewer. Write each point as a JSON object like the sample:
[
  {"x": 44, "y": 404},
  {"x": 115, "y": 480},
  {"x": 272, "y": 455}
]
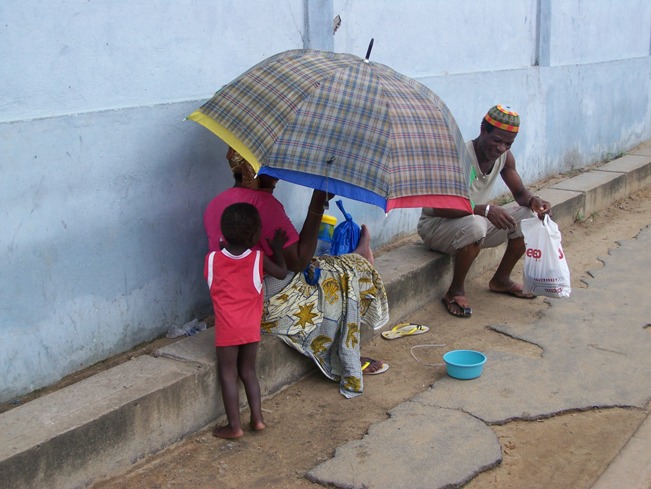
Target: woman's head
[
  {"x": 240, "y": 225},
  {"x": 245, "y": 175},
  {"x": 242, "y": 170}
]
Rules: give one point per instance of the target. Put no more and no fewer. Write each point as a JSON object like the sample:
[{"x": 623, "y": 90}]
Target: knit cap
[{"x": 503, "y": 117}]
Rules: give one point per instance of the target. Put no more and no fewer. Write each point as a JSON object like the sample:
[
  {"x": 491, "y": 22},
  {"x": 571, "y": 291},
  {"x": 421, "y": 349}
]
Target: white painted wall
[
  {"x": 63, "y": 57},
  {"x": 104, "y": 184},
  {"x": 424, "y": 38},
  {"x": 584, "y": 31}
]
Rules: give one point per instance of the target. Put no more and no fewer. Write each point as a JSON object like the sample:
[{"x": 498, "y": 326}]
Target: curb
[
  {"x": 96, "y": 428},
  {"x": 631, "y": 468}
]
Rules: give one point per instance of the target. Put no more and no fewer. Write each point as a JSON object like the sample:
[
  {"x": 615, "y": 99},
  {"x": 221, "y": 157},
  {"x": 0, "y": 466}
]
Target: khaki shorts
[{"x": 450, "y": 235}]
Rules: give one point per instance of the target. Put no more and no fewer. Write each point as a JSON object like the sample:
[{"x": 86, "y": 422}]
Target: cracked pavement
[{"x": 594, "y": 352}]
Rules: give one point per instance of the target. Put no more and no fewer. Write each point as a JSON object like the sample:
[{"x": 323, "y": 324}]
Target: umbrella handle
[
  {"x": 329, "y": 161},
  {"x": 368, "y": 52}
]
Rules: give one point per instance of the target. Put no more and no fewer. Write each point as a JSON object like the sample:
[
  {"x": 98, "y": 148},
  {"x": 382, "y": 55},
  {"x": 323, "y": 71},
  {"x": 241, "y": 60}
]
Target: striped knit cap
[{"x": 503, "y": 117}]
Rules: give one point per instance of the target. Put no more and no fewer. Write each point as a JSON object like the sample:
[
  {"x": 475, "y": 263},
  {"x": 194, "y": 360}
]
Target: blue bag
[{"x": 346, "y": 234}]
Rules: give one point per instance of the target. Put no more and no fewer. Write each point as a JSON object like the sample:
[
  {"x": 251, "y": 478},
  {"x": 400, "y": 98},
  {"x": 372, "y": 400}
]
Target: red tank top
[{"x": 235, "y": 284}]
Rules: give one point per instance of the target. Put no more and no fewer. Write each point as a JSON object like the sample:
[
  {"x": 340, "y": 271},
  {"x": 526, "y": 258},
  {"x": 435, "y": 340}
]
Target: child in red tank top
[{"x": 234, "y": 276}]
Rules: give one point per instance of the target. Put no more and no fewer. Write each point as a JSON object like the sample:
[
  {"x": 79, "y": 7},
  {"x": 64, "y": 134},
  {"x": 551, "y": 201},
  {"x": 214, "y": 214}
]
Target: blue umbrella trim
[{"x": 331, "y": 185}]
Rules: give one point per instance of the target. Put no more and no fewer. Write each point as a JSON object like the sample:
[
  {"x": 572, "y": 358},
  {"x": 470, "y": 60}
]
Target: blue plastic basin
[{"x": 464, "y": 364}]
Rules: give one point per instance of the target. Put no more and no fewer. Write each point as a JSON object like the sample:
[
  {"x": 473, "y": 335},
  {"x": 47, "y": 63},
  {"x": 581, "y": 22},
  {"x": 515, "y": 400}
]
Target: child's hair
[{"x": 240, "y": 224}]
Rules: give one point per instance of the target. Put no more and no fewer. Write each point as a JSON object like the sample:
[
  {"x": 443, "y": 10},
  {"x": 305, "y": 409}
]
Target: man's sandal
[
  {"x": 514, "y": 290},
  {"x": 450, "y": 303}
]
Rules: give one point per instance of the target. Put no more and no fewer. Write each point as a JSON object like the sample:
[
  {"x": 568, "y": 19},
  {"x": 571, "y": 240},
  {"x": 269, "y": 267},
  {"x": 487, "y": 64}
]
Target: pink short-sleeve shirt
[{"x": 272, "y": 214}]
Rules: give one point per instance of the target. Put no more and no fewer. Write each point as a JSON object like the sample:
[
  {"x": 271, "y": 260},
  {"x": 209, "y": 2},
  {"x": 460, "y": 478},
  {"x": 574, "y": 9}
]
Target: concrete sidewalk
[
  {"x": 98, "y": 427},
  {"x": 594, "y": 354}
]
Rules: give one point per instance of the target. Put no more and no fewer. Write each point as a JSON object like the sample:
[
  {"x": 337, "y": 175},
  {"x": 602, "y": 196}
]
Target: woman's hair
[
  {"x": 243, "y": 172},
  {"x": 240, "y": 224}
]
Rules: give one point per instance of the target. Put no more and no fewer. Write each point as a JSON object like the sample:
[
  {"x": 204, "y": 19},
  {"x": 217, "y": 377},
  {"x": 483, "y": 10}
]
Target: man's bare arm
[{"x": 521, "y": 195}]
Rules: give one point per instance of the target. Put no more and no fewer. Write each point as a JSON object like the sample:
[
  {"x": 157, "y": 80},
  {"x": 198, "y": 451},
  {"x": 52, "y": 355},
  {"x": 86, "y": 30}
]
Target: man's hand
[
  {"x": 500, "y": 218},
  {"x": 540, "y": 207}
]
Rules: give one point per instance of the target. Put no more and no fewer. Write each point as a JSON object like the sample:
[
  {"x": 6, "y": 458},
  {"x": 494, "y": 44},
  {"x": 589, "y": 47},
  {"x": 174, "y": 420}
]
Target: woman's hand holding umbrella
[{"x": 309, "y": 234}]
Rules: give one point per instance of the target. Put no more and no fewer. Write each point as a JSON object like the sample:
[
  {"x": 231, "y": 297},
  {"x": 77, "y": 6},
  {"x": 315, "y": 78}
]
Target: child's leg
[
  {"x": 227, "y": 369},
  {"x": 246, "y": 369}
]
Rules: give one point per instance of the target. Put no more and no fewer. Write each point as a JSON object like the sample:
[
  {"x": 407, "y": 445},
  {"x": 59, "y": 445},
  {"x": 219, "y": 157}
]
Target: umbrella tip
[{"x": 368, "y": 51}]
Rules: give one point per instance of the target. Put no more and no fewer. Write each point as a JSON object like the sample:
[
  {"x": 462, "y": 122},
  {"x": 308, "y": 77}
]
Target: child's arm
[{"x": 276, "y": 267}]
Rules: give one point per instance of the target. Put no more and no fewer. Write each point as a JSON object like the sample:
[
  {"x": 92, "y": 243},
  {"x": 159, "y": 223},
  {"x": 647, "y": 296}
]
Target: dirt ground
[{"x": 308, "y": 420}]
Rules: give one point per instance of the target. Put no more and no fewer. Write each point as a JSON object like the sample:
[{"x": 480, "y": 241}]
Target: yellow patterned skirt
[{"x": 323, "y": 321}]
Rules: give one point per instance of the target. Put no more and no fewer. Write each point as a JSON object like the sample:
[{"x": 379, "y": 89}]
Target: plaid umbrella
[{"x": 345, "y": 125}]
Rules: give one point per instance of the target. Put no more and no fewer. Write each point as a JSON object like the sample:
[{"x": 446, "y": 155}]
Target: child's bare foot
[
  {"x": 227, "y": 432},
  {"x": 364, "y": 245},
  {"x": 258, "y": 425}
]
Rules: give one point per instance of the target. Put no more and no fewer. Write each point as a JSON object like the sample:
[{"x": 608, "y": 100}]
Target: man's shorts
[{"x": 450, "y": 235}]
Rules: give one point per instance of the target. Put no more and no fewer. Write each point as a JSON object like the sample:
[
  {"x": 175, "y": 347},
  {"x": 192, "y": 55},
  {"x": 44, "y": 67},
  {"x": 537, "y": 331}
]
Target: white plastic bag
[{"x": 545, "y": 268}]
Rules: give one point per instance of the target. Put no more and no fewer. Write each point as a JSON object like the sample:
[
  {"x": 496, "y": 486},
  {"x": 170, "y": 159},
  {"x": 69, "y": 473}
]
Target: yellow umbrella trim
[{"x": 226, "y": 136}]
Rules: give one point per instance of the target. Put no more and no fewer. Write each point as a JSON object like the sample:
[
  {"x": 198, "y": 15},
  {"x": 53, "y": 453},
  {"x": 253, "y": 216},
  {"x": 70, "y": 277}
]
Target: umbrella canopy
[{"x": 345, "y": 125}]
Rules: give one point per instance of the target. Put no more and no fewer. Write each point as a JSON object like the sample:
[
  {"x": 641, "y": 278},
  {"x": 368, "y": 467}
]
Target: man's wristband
[{"x": 486, "y": 209}]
